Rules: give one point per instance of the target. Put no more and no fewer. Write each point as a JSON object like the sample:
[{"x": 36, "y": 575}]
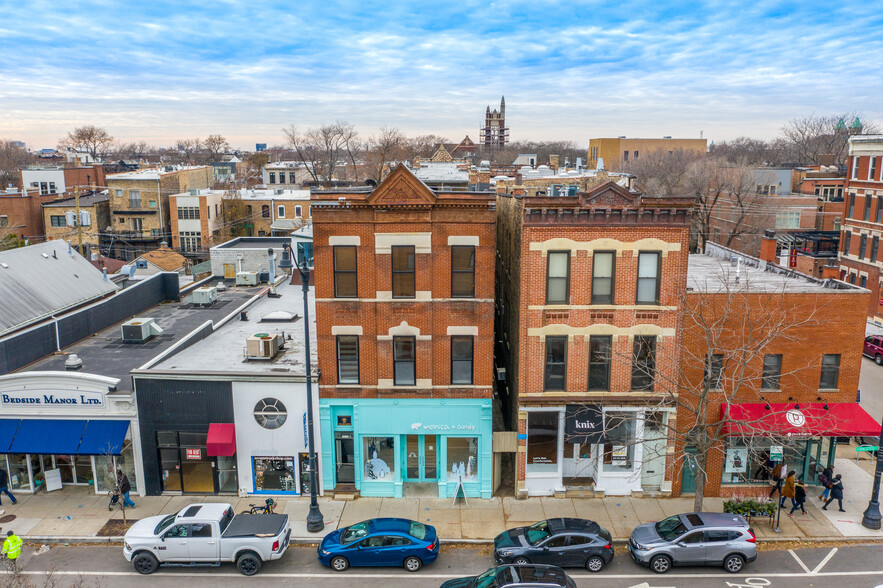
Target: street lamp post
[
  {"x": 315, "y": 521},
  {"x": 871, "y": 518}
]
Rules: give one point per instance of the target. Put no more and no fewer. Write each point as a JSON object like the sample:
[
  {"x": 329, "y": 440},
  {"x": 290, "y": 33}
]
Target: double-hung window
[
  {"x": 772, "y": 370},
  {"x": 558, "y": 277},
  {"x": 461, "y": 359},
  {"x": 347, "y": 359},
  {"x": 875, "y": 244},
  {"x": 855, "y": 159},
  {"x": 603, "y": 270},
  {"x": 599, "y": 362},
  {"x": 404, "y": 361},
  {"x": 345, "y": 282},
  {"x": 872, "y": 168},
  {"x": 462, "y": 271},
  {"x": 862, "y": 246},
  {"x": 867, "y": 207},
  {"x": 648, "y": 277},
  {"x": 714, "y": 371},
  {"x": 403, "y": 271},
  {"x": 644, "y": 362},
  {"x": 830, "y": 371},
  {"x": 556, "y": 363}
]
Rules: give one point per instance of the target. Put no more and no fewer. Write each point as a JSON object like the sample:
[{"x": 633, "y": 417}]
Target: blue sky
[{"x": 158, "y": 70}]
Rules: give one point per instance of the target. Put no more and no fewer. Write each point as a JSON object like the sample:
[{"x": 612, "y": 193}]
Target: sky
[{"x": 159, "y": 71}]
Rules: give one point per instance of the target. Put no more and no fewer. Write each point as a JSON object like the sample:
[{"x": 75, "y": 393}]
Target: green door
[
  {"x": 688, "y": 471},
  {"x": 421, "y": 458}
]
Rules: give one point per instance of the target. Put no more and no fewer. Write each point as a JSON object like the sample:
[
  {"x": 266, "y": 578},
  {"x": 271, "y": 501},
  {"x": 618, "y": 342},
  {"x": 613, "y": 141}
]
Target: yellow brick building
[{"x": 616, "y": 151}]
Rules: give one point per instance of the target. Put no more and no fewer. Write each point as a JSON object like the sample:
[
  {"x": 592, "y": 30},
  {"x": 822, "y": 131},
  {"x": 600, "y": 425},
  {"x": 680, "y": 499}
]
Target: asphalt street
[
  {"x": 871, "y": 386},
  {"x": 855, "y": 566}
]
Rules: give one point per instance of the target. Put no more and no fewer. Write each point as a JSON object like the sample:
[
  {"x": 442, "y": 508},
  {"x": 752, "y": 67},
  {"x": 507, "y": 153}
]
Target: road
[
  {"x": 870, "y": 383},
  {"x": 104, "y": 567}
]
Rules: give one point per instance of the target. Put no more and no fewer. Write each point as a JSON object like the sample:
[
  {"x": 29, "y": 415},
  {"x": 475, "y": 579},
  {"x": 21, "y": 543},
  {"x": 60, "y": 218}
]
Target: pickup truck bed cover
[{"x": 246, "y": 525}]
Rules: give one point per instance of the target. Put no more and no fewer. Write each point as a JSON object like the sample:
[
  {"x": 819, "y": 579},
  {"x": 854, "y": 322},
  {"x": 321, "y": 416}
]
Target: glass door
[
  {"x": 345, "y": 471},
  {"x": 412, "y": 458},
  {"x": 421, "y": 458},
  {"x": 430, "y": 457},
  {"x": 171, "y": 469},
  {"x": 811, "y": 464}
]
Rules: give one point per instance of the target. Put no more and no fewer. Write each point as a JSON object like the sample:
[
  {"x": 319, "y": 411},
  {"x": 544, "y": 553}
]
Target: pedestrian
[
  {"x": 776, "y": 480},
  {"x": 12, "y": 549},
  {"x": 799, "y": 497},
  {"x": 836, "y": 493},
  {"x": 825, "y": 479},
  {"x": 788, "y": 490},
  {"x": 4, "y": 486},
  {"x": 763, "y": 472},
  {"x": 125, "y": 488}
]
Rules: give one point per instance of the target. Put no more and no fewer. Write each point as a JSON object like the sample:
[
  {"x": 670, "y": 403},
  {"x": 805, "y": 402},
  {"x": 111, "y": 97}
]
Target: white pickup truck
[{"x": 207, "y": 534}]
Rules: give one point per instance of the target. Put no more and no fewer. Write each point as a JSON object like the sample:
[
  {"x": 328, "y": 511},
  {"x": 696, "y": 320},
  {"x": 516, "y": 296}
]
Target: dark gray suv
[{"x": 703, "y": 539}]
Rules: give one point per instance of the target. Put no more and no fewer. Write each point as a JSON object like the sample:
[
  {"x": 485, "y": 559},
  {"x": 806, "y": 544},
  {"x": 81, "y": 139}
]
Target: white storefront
[
  {"x": 271, "y": 436},
  {"x": 67, "y": 428}
]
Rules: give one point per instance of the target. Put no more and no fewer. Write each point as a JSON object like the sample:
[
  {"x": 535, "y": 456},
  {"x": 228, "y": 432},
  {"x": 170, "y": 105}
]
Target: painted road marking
[
  {"x": 799, "y": 561},
  {"x": 828, "y": 557},
  {"x": 646, "y": 585}
]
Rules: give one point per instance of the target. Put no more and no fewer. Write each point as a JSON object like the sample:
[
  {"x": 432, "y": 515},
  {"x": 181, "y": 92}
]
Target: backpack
[{"x": 823, "y": 480}]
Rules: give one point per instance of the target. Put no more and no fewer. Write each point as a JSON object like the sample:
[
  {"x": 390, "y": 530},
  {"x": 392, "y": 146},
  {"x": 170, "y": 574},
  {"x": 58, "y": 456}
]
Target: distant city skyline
[{"x": 161, "y": 71}]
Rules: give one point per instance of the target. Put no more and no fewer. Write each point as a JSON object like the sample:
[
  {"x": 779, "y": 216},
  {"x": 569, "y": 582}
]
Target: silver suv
[{"x": 703, "y": 539}]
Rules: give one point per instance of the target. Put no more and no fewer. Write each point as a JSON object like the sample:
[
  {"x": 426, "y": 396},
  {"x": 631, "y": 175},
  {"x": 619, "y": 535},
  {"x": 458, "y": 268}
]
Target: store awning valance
[
  {"x": 221, "y": 440},
  {"x": 48, "y": 436},
  {"x": 8, "y": 427},
  {"x": 844, "y": 419},
  {"x": 103, "y": 438}
]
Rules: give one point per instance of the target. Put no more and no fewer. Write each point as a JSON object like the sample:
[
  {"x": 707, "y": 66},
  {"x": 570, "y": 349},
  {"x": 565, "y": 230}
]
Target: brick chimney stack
[{"x": 768, "y": 246}]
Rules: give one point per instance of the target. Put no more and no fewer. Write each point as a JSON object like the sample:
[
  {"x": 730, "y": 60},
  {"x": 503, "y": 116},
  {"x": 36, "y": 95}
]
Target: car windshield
[
  {"x": 537, "y": 532},
  {"x": 164, "y": 524},
  {"x": 417, "y": 530},
  {"x": 671, "y": 528},
  {"x": 354, "y": 533}
]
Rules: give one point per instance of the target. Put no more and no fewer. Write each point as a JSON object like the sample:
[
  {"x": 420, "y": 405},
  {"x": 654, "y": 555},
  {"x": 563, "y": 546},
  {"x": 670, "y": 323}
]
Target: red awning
[
  {"x": 221, "y": 439},
  {"x": 843, "y": 419}
]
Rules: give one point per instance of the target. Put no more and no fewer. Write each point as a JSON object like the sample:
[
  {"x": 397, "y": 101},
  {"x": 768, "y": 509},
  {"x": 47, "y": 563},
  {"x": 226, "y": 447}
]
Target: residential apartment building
[
  {"x": 21, "y": 213},
  {"x": 139, "y": 206},
  {"x": 267, "y": 212},
  {"x": 197, "y": 220},
  {"x": 286, "y": 173},
  {"x": 404, "y": 311},
  {"x": 60, "y": 218},
  {"x": 61, "y": 180},
  {"x": 863, "y": 219},
  {"x": 614, "y": 151},
  {"x": 590, "y": 287}
]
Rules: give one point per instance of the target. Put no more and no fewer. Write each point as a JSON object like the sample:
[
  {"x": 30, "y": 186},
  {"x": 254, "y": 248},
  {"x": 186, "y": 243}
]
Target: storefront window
[
  {"x": 107, "y": 465},
  {"x": 17, "y": 468},
  {"x": 749, "y": 462},
  {"x": 463, "y": 459},
  {"x": 274, "y": 474},
  {"x": 378, "y": 454},
  {"x": 542, "y": 442},
  {"x": 619, "y": 447}
]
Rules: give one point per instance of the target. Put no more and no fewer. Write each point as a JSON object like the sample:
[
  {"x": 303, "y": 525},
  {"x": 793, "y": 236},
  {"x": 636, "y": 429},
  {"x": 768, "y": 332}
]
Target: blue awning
[
  {"x": 48, "y": 436},
  {"x": 103, "y": 438},
  {"x": 8, "y": 427}
]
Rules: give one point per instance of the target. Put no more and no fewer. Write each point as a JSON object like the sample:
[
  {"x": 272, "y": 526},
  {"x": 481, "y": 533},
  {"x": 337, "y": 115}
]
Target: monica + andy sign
[{"x": 51, "y": 399}]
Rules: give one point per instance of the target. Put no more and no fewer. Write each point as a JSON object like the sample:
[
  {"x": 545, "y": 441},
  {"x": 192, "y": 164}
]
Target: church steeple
[{"x": 503, "y": 106}]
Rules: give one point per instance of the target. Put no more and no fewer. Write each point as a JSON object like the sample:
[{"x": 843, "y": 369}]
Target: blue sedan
[{"x": 380, "y": 542}]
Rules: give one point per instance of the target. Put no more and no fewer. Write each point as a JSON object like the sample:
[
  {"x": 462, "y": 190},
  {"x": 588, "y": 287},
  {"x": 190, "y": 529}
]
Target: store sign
[
  {"x": 776, "y": 453},
  {"x": 449, "y": 427},
  {"x": 736, "y": 460},
  {"x": 344, "y": 420},
  {"x": 51, "y": 399},
  {"x": 583, "y": 423},
  {"x": 194, "y": 453},
  {"x": 795, "y": 418},
  {"x": 306, "y": 432}
]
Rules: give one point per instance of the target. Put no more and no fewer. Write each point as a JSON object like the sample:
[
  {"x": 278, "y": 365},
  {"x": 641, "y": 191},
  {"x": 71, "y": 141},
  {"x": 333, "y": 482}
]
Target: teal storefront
[{"x": 386, "y": 447}]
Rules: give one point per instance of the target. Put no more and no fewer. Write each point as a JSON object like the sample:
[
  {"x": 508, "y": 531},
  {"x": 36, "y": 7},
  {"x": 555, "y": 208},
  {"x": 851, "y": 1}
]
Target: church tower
[{"x": 494, "y": 134}]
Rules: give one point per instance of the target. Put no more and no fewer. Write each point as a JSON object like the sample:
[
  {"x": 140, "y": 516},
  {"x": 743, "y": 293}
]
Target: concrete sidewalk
[{"x": 73, "y": 515}]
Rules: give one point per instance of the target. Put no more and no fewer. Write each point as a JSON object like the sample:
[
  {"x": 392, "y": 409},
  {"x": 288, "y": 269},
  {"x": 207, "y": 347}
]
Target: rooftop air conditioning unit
[
  {"x": 205, "y": 296},
  {"x": 262, "y": 346},
  {"x": 246, "y": 278},
  {"x": 140, "y": 330}
]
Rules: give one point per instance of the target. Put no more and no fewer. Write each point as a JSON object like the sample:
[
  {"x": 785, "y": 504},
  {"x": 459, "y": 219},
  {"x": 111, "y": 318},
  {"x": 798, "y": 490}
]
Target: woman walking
[
  {"x": 836, "y": 493},
  {"x": 799, "y": 497},
  {"x": 788, "y": 490},
  {"x": 776, "y": 479}
]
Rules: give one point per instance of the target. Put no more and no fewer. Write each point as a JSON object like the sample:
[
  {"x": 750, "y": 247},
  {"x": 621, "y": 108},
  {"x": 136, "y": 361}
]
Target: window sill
[{"x": 829, "y": 390}]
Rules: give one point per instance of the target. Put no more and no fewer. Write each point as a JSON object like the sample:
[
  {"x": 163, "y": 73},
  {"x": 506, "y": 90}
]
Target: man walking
[
  {"x": 125, "y": 487},
  {"x": 4, "y": 486},
  {"x": 836, "y": 493},
  {"x": 825, "y": 480},
  {"x": 799, "y": 497},
  {"x": 12, "y": 549}
]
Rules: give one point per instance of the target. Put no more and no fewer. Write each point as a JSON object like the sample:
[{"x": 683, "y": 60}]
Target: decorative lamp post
[{"x": 871, "y": 518}]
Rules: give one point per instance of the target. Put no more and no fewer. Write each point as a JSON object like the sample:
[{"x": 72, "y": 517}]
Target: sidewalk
[{"x": 75, "y": 516}]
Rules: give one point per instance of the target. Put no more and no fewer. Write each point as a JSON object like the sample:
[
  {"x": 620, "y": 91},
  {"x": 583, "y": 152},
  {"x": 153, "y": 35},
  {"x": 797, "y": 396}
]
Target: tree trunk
[{"x": 701, "y": 463}]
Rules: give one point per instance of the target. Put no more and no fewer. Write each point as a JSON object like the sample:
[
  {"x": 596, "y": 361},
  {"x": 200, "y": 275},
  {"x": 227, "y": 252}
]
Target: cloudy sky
[{"x": 157, "y": 70}]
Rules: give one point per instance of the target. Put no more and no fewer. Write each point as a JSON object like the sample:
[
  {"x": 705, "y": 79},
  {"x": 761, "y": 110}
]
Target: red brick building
[
  {"x": 21, "y": 214},
  {"x": 860, "y": 260},
  {"x": 404, "y": 311},
  {"x": 590, "y": 284}
]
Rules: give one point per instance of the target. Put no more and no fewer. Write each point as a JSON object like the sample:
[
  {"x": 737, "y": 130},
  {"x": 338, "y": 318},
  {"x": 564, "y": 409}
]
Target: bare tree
[
  {"x": 809, "y": 138},
  {"x": 725, "y": 198},
  {"x": 133, "y": 150},
  {"x": 236, "y": 216},
  {"x": 95, "y": 140},
  {"x": 322, "y": 148},
  {"x": 748, "y": 151},
  {"x": 424, "y": 145},
  {"x": 661, "y": 173},
  {"x": 387, "y": 146},
  {"x": 216, "y": 145},
  {"x": 12, "y": 158},
  {"x": 188, "y": 149}
]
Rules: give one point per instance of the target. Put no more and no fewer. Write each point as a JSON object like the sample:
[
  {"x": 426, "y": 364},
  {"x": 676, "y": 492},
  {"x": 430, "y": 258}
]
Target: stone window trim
[
  {"x": 384, "y": 242},
  {"x": 404, "y": 330},
  {"x": 345, "y": 240}
]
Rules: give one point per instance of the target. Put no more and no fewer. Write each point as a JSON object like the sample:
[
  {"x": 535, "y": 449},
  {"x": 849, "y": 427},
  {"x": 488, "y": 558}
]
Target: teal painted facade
[{"x": 395, "y": 442}]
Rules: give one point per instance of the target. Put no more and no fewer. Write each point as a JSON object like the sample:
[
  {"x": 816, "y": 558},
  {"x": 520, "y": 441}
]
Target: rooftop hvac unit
[
  {"x": 140, "y": 330},
  {"x": 262, "y": 346},
  {"x": 246, "y": 278},
  {"x": 205, "y": 296}
]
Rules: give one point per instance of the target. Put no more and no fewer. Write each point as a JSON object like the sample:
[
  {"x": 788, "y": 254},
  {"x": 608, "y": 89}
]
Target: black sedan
[
  {"x": 515, "y": 577},
  {"x": 559, "y": 542}
]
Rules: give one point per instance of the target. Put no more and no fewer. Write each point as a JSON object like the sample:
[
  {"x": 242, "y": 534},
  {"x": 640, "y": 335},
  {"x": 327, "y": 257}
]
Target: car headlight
[
  {"x": 643, "y": 547},
  {"x": 506, "y": 552},
  {"x": 325, "y": 552},
  {"x": 128, "y": 547}
]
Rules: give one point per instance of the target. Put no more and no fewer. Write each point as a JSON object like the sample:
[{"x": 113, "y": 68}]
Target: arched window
[{"x": 265, "y": 211}]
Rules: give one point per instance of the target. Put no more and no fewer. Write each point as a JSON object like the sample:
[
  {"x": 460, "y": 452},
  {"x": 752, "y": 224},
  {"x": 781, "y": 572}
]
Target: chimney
[
  {"x": 553, "y": 162},
  {"x": 830, "y": 272},
  {"x": 768, "y": 245}
]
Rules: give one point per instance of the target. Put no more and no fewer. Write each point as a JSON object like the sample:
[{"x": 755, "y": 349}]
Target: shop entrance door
[
  {"x": 421, "y": 458},
  {"x": 688, "y": 471},
  {"x": 344, "y": 467},
  {"x": 812, "y": 462}
]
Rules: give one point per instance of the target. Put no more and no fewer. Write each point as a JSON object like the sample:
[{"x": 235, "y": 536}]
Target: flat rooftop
[
  {"x": 152, "y": 173},
  {"x": 254, "y": 243},
  {"x": 105, "y": 353},
  {"x": 720, "y": 270},
  {"x": 224, "y": 350}
]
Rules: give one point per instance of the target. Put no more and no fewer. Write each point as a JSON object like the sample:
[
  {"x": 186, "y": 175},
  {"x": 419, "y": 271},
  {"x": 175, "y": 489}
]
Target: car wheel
[
  {"x": 595, "y": 563},
  {"x": 660, "y": 564},
  {"x": 339, "y": 564},
  {"x": 520, "y": 561},
  {"x": 413, "y": 564},
  {"x": 734, "y": 563},
  {"x": 878, "y": 359},
  {"x": 248, "y": 563},
  {"x": 145, "y": 563}
]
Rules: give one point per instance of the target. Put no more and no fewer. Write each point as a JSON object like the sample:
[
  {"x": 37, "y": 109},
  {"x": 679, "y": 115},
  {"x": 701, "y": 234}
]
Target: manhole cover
[{"x": 7, "y": 519}]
